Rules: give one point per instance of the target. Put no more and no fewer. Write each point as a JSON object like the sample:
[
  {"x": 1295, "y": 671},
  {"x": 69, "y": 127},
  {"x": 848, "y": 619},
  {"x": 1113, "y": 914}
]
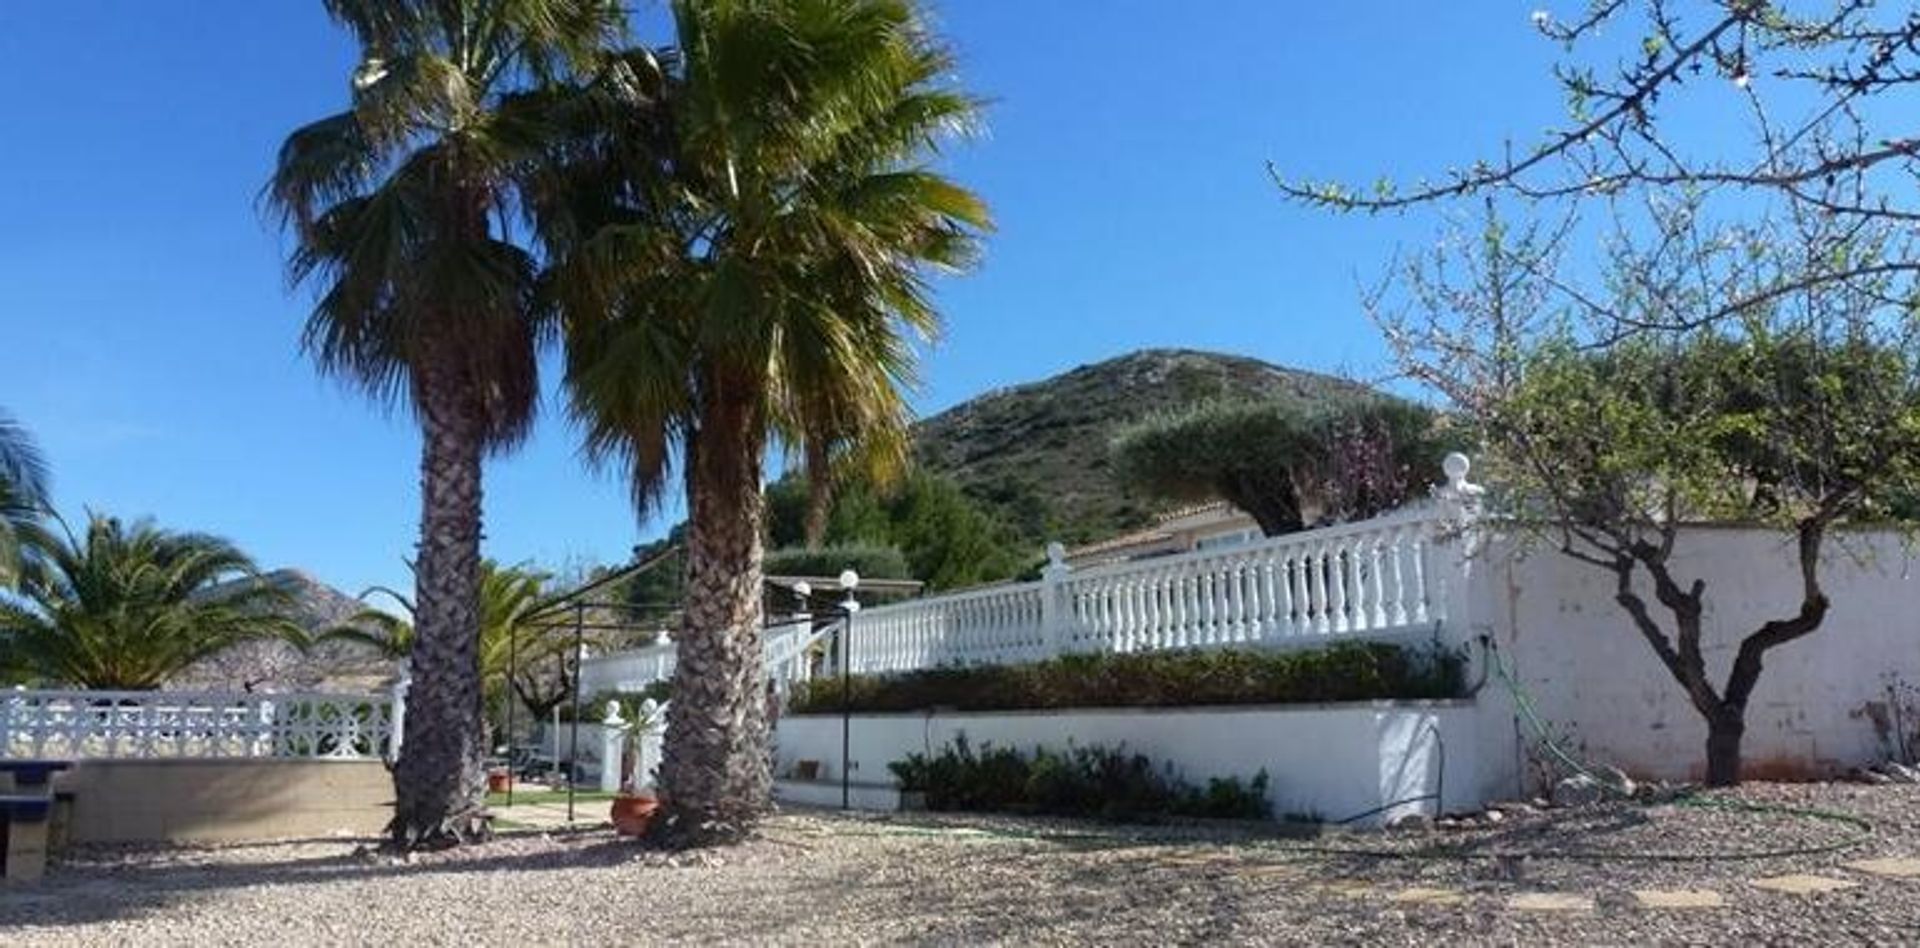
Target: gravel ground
[{"x": 823, "y": 879}]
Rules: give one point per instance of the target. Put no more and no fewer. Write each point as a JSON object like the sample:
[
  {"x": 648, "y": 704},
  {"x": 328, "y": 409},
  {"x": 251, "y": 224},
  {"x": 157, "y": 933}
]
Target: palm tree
[
  {"x": 398, "y": 205},
  {"x": 742, "y": 261},
  {"x": 23, "y": 501},
  {"x": 512, "y": 632},
  {"x": 128, "y": 606}
]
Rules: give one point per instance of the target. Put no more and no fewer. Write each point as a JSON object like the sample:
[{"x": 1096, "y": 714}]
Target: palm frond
[{"x": 129, "y": 605}]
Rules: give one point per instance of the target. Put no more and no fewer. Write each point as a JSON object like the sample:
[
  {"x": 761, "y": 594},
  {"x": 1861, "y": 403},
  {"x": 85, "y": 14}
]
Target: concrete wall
[
  {"x": 1333, "y": 761},
  {"x": 201, "y": 800},
  {"x": 1595, "y": 679}
]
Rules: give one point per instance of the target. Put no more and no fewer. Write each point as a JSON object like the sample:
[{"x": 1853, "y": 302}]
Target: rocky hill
[
  {"x": 280, "y": 666},
  {"x": 1035, "y": 455}
]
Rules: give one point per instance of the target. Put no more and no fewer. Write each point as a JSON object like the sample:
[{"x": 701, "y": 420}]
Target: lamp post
[
  {"x": 579, "y": 660},
  {"x": 849, "y": 582}
]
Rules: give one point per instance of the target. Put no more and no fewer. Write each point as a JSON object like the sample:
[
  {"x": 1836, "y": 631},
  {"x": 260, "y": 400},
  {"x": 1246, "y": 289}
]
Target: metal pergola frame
[{"x": 553, "y": 612}]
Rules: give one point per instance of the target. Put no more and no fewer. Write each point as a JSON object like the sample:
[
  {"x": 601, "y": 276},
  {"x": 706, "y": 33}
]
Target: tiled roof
[{"x": 1158, "y": 533}]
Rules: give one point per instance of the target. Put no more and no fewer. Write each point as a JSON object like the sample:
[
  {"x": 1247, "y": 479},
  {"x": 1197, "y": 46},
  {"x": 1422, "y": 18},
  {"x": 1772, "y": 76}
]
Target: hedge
[
  {"x": 1352, "y": 671},
  {"x": 1100, "y": 782}
]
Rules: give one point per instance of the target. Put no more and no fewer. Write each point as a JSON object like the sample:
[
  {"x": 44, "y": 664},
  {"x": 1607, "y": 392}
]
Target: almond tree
[
  {"x": 1801, "y": 412},
  {"x": 1823, "y": 93}
]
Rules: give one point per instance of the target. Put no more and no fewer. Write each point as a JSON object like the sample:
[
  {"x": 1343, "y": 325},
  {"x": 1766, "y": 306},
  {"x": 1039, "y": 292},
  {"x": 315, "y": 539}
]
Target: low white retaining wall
[{"x": 1330, "y": 761}]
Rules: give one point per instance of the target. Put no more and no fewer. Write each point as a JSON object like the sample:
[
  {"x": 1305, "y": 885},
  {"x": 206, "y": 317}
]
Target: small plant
[
  {"x": 1093, "y": 781},
  {"x": 632, "y": 716}
]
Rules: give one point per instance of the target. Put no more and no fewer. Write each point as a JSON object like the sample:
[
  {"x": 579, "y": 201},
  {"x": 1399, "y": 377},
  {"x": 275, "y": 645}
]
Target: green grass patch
[{"x": 525, "y": 797}]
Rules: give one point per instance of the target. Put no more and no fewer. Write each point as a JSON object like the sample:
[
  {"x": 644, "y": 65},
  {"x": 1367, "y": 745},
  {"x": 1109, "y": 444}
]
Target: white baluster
[
  {"x": 1338, "y": 565},
  {"x": 1376, "y": 583},
  {"x": 1149, "y": 611},
  {"x": 1181, "y": 614},
  {"x": 1268, "y": 626},
  {"x": 1317, "y": 574},
  {"x": 1246, "y": 599},
  {"x": 1205, "y": 613},
  {"x": 1420, "y": 597},
  {"x": 1224, "y": 586}
]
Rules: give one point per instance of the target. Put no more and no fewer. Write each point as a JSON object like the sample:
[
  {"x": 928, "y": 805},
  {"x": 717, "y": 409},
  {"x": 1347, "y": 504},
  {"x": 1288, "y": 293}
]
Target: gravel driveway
[{"x": 824, "y": 879}]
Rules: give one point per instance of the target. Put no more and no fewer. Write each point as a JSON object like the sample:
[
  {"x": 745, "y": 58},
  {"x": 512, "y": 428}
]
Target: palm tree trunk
[
  {"x": 438, "y": 781},
  {"x": 714, "y": 772}
]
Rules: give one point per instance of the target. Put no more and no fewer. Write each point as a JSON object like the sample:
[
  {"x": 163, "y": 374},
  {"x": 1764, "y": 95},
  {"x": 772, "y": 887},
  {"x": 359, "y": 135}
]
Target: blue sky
[{"x": 152, "y": 344}]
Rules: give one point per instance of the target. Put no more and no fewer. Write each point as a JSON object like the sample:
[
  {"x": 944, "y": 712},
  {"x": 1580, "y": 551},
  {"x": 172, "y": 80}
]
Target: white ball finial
[
  {"x": 803, "y": 589},
  {"x": 1056, "y": 553},
  {"x": 849, "y": 580},
  {"x": 1456, "y": 465}
]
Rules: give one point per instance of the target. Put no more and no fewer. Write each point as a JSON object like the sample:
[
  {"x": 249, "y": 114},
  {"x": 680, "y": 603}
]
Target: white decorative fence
[
  {"x": 994, "y": 625},
  {"x": 146, "y": 724},
  {"x": 786, "y": 650},
  {"x": 1377, "y": 578},
  {"x": 1385, "y": 577}
]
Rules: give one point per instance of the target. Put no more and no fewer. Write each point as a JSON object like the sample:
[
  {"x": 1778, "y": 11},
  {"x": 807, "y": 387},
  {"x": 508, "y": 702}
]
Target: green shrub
[
  {"x": 1351, "y": 671},
  {"x": 1094, "y": 781}
]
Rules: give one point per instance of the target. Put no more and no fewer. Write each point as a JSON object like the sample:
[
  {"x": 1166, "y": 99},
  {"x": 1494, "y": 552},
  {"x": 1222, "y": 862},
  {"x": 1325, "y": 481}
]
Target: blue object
[
  {"x": 33, "y": 773},
  {"x": 25, "y": 809}
]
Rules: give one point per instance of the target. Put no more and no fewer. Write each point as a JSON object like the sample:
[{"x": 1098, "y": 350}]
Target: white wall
[
  {"x": 1333, "y": 761},
  {"x": 1595, "y": 679}
]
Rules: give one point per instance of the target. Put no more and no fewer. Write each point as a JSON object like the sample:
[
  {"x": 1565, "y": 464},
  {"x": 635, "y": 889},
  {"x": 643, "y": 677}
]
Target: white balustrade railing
[
  {"x": 629, "y": 670},
  {"x": 994, "y": 625},
  {"x": 118, "y": 724},
  {"x": 1366, "y": 578},
  {"x": 786, "y": 648},
  {"x": 789, "y": 649},
  {"x": 1375, "y": 578}
]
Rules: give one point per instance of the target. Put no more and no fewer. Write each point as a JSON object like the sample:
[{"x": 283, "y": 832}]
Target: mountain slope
[
  {"x": 273, "y": 665},
  {"x": 1035, "y": 455}
]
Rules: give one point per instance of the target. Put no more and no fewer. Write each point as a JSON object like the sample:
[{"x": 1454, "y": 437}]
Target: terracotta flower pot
[
  {"x": 499, "y": 780},
  {"x": 633, "y": 814}
]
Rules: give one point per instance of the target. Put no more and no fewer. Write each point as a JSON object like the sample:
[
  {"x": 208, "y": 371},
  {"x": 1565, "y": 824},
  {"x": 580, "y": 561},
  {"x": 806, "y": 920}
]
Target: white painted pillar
[
  {"x": 612, "y": 736},
  {"x": 1456, "y": 541},
  {"x": 1055, "y": 631}
]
